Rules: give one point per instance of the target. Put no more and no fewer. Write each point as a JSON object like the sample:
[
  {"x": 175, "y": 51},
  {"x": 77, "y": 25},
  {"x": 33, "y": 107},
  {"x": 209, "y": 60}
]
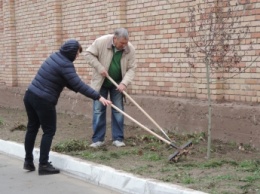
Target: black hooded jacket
[{"x": 57, "y": 72}]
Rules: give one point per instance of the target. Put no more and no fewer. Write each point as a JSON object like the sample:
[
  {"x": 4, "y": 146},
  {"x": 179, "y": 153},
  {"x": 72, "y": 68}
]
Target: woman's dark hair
[{"x": 80, "y": 48}]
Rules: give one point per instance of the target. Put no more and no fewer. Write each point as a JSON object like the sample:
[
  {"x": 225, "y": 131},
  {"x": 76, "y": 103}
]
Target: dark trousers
[{"x": 41, "y": 113}]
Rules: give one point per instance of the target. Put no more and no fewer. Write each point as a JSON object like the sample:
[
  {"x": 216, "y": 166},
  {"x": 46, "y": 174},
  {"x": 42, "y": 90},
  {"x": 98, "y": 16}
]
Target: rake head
[{"x": 182, "y": 151}]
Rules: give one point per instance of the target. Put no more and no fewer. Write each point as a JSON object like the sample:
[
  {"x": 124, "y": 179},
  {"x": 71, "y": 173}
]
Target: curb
[{"x": 99, "y": 174}]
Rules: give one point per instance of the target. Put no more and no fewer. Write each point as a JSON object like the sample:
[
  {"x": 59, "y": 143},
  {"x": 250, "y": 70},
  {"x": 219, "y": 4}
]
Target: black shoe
[
  {"x": 45, "y": 169},
  {"x": 29, "y": 166}
]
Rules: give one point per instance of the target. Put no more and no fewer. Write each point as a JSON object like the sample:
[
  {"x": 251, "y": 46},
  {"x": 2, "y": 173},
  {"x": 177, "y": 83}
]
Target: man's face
[{"x": 120, "y": 43}]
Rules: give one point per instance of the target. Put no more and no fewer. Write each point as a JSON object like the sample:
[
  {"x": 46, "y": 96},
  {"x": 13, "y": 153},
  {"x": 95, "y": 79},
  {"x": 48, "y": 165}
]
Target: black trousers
[{"x": 41, "y": 113}]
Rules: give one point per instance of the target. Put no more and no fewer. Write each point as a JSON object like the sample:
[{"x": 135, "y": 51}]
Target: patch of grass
[
  {"x": 232, "y": 144},
  {"x": 190, "y": 165},
  {"x": 141, "y": 169},
  {"x": 252, "y": 178},
  {"x": 104, "y": 154},
  {"x": 250, "y": 188},
  {"x": 95, "y": 155},
  {"x": 249, "y": 147},
  {"x": 167, "y": 178},
  {"x": 88, "y": 155},
  {"x": 131, "y": 151},
  {"x": 150, "y": 160},
  {"x": 232, "y": 163},
  {"x": 1, "y": 121},
  {"x": 148, "y": 138},
  {"x": 211, "y": 164},
  {"x": 183, "y": 178},
  {"x": 187, "y": 179},
  {"x": 171, "y": 177},
  {"x": 104, "y": 158},
  {"x": 250, "y": 165},
  {"x": 202, "y": 150},
  {"x": 80, "y": 148},
  {"x": 152, "y": 156},
  {"x": 197, "y": 137},
  {"x": 168, "y": 168},
  {"x": 70, "y": 145},
  {"x": 225, "y": 177},
  {"x": 114, "y": 155},
  {"x": 246, "y": 187},
  {"x": 217, "y": 192},
  {"x": 215, "y": 163},
  {"x": 255, "y": 176}
]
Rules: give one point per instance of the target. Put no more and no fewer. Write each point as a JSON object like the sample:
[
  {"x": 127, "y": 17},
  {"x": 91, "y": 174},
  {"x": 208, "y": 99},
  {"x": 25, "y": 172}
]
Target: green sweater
[{"x": 114, "y": 70}]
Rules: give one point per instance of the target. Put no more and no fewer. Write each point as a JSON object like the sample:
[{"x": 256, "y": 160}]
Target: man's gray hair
[{"x": 121, "y": 33}]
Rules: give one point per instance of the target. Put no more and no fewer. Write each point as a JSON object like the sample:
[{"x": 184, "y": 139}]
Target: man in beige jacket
[{"x": 111, "y": 55}]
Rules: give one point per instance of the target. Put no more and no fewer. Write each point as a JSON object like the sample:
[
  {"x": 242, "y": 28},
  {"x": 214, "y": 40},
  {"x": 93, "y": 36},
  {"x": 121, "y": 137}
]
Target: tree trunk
[{"x": 209, "y": 107}]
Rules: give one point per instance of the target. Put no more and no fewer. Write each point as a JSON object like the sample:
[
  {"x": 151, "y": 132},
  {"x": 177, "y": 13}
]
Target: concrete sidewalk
[
  {"x": 97, "y": 174},
  {"x": 15, "y": 180}
]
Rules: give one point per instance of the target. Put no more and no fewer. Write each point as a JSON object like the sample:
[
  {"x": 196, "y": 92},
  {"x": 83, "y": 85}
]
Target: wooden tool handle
[
  {"x": 140, "y": 108},
  {"x": 144, "y": 127}
]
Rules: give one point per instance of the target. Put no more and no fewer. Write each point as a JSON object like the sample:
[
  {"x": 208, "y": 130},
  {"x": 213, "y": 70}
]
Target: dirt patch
[
  {"x": 231, "y": 121},
  {"x": 232, "y": 168}
]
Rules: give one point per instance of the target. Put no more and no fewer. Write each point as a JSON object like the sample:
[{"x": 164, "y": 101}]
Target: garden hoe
[{"x": 173, "y": 157}]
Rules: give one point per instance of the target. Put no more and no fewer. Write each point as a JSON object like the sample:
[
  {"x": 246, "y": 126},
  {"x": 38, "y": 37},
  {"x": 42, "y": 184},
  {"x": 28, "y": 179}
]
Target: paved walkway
[
  {"x": 86, "y": 172},
  {"x": 15, "y": 180}
]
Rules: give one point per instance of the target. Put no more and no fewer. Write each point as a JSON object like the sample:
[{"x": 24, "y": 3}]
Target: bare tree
[{"x": 216, "y": 32}]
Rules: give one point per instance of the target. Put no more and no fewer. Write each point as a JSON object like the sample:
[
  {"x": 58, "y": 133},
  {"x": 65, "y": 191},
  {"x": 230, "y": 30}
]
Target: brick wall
[{"x": 31, "y": 30}]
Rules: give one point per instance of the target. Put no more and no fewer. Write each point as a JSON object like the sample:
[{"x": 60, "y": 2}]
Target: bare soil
[{"x": 232, "y": 168}]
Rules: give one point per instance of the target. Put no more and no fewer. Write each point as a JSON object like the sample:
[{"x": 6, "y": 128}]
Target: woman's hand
[{"x": 104, "y": 101}]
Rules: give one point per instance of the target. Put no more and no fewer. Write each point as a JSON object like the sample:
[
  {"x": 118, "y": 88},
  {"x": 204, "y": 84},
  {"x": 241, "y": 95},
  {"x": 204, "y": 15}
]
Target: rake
[{"x": 173, "y": 157}]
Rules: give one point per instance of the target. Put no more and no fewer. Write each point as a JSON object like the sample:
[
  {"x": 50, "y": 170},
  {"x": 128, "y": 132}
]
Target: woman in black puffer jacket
[{"x": 40, "y": 100}]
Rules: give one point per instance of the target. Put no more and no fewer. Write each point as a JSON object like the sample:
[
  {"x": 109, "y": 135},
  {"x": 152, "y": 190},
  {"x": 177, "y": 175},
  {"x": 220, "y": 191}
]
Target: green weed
[
  {"x": 141, "y": 169},
  {"x": 211, "y": 164},
  {"x": 167, "y": 178},
  {"x": 232, "y": 144},
  {"x": 168, "y": 168},
  {"x": 225, "y": 177},
  {"x": 95, "y": 155},
  {"x": 197, "y": 137},
  {"x": 70, "y": 145},
  {"x": 152, "y": 156},
  {"x": 114, "y": 155},
  {"x": 250, "y": 165},
  {"x": 187, "y": 179},
  {"x": 1, "y": 121}
]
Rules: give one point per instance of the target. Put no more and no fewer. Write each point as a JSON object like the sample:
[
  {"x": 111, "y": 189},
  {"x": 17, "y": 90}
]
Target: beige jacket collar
[{"x": 110, "y": 43}]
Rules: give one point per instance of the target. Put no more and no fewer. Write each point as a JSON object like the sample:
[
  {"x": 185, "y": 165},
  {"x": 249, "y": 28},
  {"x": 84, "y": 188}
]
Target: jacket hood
[{"x": 69, "y": 49}]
